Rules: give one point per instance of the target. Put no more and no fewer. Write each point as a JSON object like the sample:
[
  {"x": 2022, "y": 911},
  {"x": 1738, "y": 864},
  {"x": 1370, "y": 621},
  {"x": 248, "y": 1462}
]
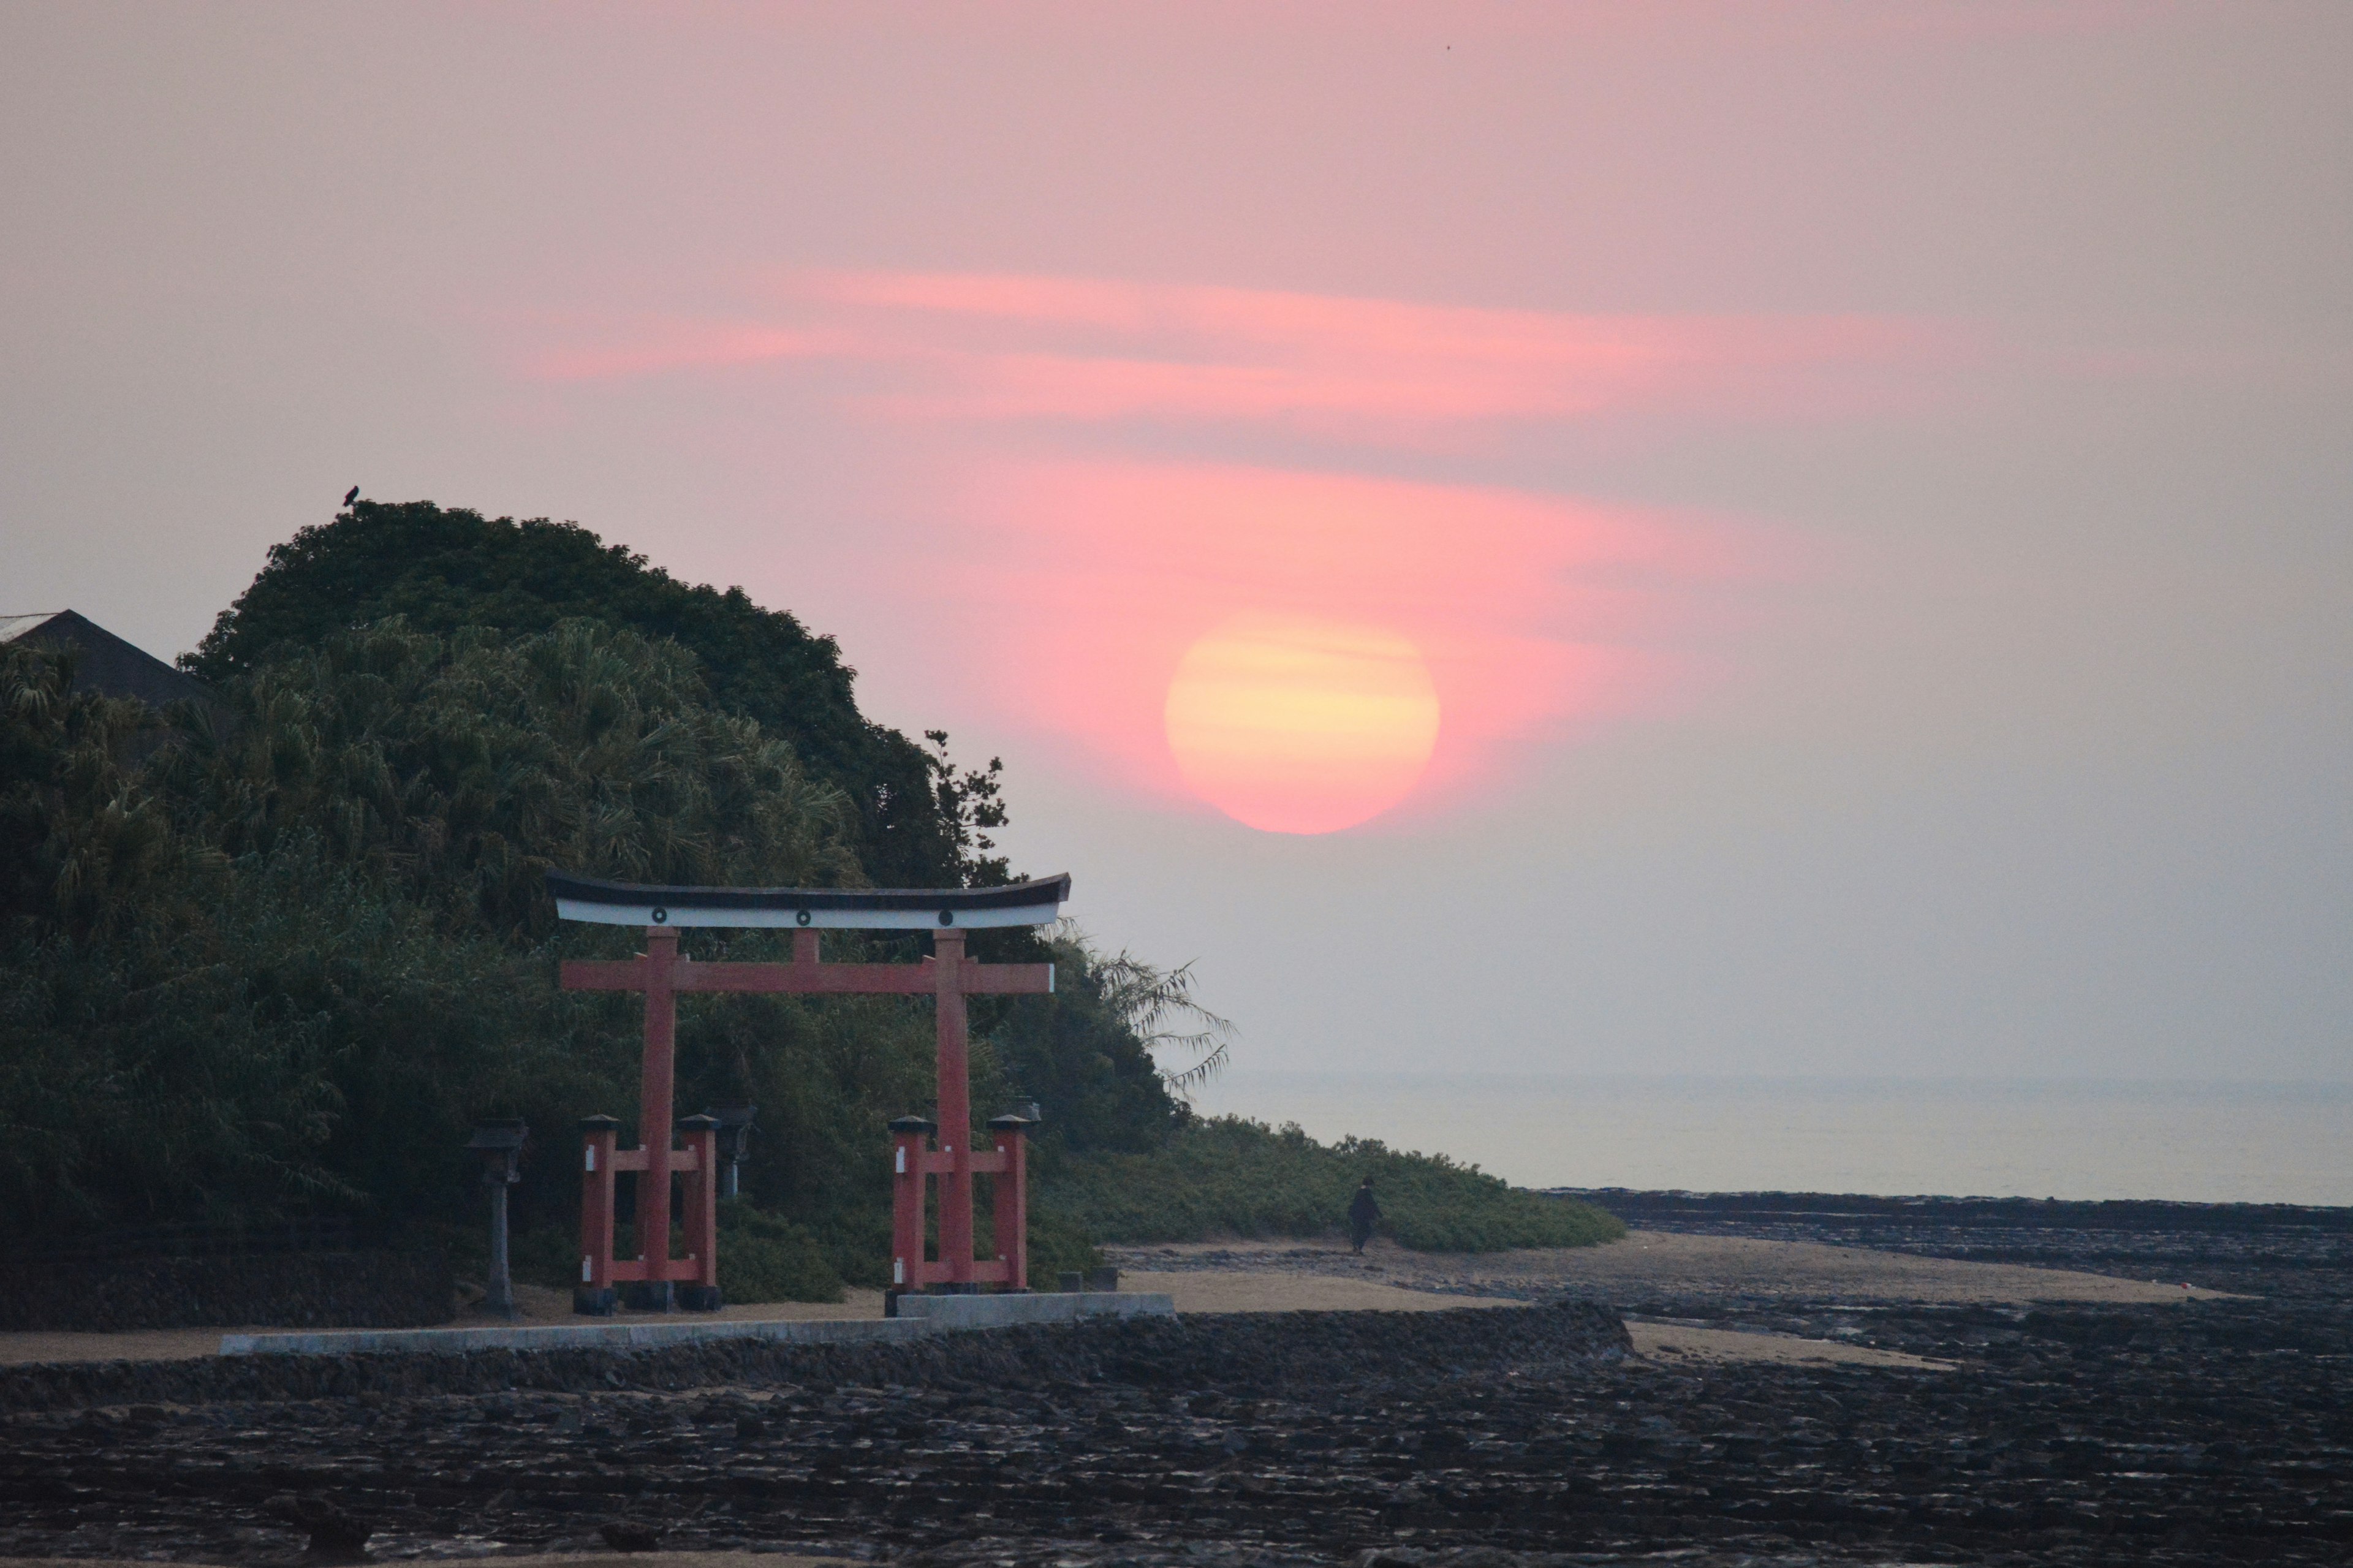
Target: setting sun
[{"x": 1302, "y": 726}]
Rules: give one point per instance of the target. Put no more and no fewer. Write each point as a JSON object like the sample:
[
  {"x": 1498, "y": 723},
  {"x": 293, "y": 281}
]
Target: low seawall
[{"x": 1266, "y": 1350}]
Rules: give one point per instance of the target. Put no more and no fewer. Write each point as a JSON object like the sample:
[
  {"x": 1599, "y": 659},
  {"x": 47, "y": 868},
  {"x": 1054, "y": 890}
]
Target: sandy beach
[{"x": 1656, "y": 1263}]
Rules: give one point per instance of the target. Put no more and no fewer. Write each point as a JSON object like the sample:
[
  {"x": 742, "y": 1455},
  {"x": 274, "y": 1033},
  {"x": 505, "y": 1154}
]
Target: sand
[
  {"x": 1663, "y": 1262},
  {"x": 1217, "y": 1290},
  {"x": 1240, "y": 1290}
]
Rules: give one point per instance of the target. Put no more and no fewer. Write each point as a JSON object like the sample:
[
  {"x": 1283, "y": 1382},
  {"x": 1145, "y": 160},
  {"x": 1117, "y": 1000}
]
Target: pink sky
[
  {"x": 1081, "y": 566},
  {"x": 1868, "y": 481}
]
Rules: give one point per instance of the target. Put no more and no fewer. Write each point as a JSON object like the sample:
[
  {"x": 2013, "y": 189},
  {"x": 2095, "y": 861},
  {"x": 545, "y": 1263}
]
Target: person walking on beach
[{"x": 1363, "y": 1215}]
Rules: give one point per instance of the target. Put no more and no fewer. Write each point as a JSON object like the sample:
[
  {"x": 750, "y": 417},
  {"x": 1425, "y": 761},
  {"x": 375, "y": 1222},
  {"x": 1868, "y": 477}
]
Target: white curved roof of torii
[{"x": 1031, "y": 903}]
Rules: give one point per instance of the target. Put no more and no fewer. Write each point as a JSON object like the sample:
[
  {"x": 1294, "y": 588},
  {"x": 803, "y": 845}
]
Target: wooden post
[
  {"x": 701, "y": 1207},
  {"x": 1012, "y": 1195},
  {"x": 593, "y": 1295},
  {"x": 910, "y": 1141},
  {"x": 955, "y": 1113},
  {"x": 654, "y": 1115}
]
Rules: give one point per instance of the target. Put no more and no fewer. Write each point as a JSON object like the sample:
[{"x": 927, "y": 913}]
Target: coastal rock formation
[{"x": 1448, "y": 1440}]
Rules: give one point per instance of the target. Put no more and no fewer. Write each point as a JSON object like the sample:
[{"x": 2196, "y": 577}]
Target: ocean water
[{"x": 2198, "y": 1142}]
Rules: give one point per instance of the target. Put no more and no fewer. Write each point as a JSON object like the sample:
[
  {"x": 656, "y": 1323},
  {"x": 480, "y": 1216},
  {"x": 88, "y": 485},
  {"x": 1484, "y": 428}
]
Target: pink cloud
[{"x": 1079, "y": 351}]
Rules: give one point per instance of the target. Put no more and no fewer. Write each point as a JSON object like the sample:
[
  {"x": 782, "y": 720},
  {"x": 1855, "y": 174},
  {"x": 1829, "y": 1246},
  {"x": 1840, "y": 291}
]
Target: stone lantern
[
  {"x": 734, "y": 1142},
  {"x": 500, "y": 1142}
]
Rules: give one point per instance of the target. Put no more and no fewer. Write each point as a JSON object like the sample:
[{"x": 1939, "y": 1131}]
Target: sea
[{"x": 2182, "y": 1142}]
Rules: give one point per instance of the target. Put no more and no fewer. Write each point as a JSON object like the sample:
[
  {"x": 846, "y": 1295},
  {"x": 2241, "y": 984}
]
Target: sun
[{"x": 1292, "y": 725}]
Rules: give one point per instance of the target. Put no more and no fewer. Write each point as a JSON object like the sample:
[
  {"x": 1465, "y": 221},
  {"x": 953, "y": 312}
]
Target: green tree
[
  {"x": 444, "y": 569},
  {"x": 460, "y": 770},
  {"x": 83, "y": 844},
  {"x": 1090, "y": 1053}
]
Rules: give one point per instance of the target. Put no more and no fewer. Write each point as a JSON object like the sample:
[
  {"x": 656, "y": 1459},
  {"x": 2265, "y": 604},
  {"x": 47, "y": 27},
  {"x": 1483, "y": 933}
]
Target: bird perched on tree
[{"x": 351, "y": 495}]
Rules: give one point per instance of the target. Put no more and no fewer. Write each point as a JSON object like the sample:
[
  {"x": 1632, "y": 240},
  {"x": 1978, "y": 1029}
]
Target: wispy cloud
[{"x": 1079, "y": 351}]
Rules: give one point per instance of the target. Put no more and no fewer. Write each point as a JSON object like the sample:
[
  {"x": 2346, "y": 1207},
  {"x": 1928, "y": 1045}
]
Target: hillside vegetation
[
  {"x": 444, "y": 569},
  {"x": 273, "y": 956},
  {"x": 1234, "y": 1177}
]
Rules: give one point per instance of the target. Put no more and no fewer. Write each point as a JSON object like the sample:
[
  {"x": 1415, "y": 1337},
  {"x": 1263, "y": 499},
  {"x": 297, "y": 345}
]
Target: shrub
[
  {"x": 548, "y": 1254},
  {"x": 1058, "y": 1245},
  {"x": 1236, "y": 1177},
  {"x": 763, "y": 1257}
]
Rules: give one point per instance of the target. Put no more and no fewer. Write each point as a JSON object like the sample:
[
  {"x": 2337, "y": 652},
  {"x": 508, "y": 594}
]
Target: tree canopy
[
  {"x": 460, "y": 769},
  {"x": 280, "y": 964},
  {"x": 917, "y": 820}
]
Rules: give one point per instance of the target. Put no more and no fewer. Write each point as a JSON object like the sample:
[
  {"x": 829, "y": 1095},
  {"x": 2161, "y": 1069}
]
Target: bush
[
  {"x": 1058, "y": 1245},
  {"x": 763, "y": 1257},
  {"x": 548, "y": 1256},
  {"x": 1236, "y": 1177}
]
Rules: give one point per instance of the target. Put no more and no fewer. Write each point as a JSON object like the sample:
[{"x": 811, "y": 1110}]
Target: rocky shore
[
  {"x": 2189, "y": 1431},
  {"x": 2271, "y": 1249}
]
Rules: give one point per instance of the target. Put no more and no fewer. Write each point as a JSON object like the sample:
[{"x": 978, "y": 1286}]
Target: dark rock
[
  {"x": 335, "y": 1536},
  {"x": 2164, "y": 1437},
  {"x": 628, "y": 1535}
]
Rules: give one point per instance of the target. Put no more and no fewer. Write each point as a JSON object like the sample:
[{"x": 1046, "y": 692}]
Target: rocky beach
[{"x": 1668, "y": 1395}]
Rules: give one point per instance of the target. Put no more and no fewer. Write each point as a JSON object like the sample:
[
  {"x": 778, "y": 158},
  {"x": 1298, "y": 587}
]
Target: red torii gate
[{"x": 663, "y": 975}]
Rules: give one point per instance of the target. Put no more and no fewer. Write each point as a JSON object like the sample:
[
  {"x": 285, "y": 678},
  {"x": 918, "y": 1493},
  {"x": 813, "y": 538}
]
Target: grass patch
[{"x": 1236, "y": 1177}]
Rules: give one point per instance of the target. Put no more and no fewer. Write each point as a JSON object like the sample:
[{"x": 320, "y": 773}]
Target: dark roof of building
[{"x": 104, "y": 663}]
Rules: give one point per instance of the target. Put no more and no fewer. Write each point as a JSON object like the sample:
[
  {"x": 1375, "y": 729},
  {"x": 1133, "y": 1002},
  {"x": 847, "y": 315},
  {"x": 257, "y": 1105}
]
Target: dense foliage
[
  {"x": 286, "y": 963},
  {"x": 456, "y": 771},
  {"x": 918, "y": 822},
  {"x": 1236, "y": 1177},
  {"x": 275, "y": 954}
]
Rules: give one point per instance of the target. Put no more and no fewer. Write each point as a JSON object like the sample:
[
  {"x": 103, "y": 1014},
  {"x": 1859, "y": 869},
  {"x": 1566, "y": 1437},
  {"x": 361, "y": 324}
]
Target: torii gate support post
[
  {"x": 656, "y": 1084},
  {"x": 911, "y": 1163},
  {"x": 954, "y": 1079},
  {"x": 956, "y": 1161},
  {"x": 595, "y": 1294},
  {"x": 912, "y": 1159},
  {"x": 1010, "y": 1212},
  {"x": 654, "y": 1160}
]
